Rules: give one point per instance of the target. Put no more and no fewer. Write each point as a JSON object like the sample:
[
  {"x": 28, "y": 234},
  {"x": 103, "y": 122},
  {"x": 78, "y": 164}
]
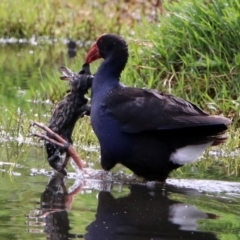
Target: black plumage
[{"x": 72, "y": 107}]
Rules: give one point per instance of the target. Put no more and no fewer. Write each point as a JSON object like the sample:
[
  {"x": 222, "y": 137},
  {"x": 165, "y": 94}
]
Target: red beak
[{"x": 93, "y": 54}]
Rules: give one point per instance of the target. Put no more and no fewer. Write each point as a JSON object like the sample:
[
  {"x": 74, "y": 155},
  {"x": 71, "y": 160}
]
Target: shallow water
[{"x": 34, "y": 204}]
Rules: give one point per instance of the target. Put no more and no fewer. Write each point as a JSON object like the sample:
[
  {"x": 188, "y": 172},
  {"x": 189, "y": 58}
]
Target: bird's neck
[{"x": 108, "y": 74}]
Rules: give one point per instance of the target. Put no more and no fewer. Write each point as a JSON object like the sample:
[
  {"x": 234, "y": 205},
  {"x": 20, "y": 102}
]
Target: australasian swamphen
[{"x": 149, "y": 132}]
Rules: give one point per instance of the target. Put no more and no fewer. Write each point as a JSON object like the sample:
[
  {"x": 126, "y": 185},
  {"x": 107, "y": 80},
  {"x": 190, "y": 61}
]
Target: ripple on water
[{"x": 94, "y": 178}]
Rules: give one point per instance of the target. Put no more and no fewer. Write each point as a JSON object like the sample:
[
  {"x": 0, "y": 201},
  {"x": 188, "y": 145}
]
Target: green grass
[
  {"x": 79, "y": 19},
  {"x": 195, "y": 53},
  {"x": 191, "y": 51}
]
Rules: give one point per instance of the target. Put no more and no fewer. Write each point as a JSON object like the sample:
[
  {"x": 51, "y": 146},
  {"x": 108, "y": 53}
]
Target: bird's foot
[{"x": 57, "y": 140}]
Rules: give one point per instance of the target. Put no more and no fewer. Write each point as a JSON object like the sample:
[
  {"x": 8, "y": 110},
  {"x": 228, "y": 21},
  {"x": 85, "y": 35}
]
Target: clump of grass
[{"x": 194, "y": 53}]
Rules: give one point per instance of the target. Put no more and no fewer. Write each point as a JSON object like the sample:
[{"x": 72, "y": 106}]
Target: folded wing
[{"x": 139, "y": 110}]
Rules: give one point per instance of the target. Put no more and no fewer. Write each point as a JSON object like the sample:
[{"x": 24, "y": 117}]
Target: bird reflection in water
[
  {"x": 145, "y": 213},
  {"x": 55, "y": 202}
]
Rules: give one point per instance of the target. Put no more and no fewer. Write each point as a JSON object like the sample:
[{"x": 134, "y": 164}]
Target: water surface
[{"x": 37, "y": 206}]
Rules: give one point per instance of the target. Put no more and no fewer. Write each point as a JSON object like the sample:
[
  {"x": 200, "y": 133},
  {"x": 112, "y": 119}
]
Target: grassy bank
[
  {"x": 190, "y": 50},
  {"x": 194, "y": 53},
  {"x": 79, "y": 19}
]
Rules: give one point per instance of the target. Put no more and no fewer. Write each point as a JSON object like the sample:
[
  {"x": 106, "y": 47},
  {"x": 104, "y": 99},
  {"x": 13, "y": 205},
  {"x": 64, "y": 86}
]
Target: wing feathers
[{"x": 140, "y": 110}]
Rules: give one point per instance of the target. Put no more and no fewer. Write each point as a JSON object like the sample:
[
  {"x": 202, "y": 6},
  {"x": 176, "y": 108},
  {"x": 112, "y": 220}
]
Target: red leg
[{"x": 54, "y": 138}]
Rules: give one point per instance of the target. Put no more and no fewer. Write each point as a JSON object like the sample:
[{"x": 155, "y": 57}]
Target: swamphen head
[
  {"x": 106, "y": 45},
  {"x": 149, "y": 132}
]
